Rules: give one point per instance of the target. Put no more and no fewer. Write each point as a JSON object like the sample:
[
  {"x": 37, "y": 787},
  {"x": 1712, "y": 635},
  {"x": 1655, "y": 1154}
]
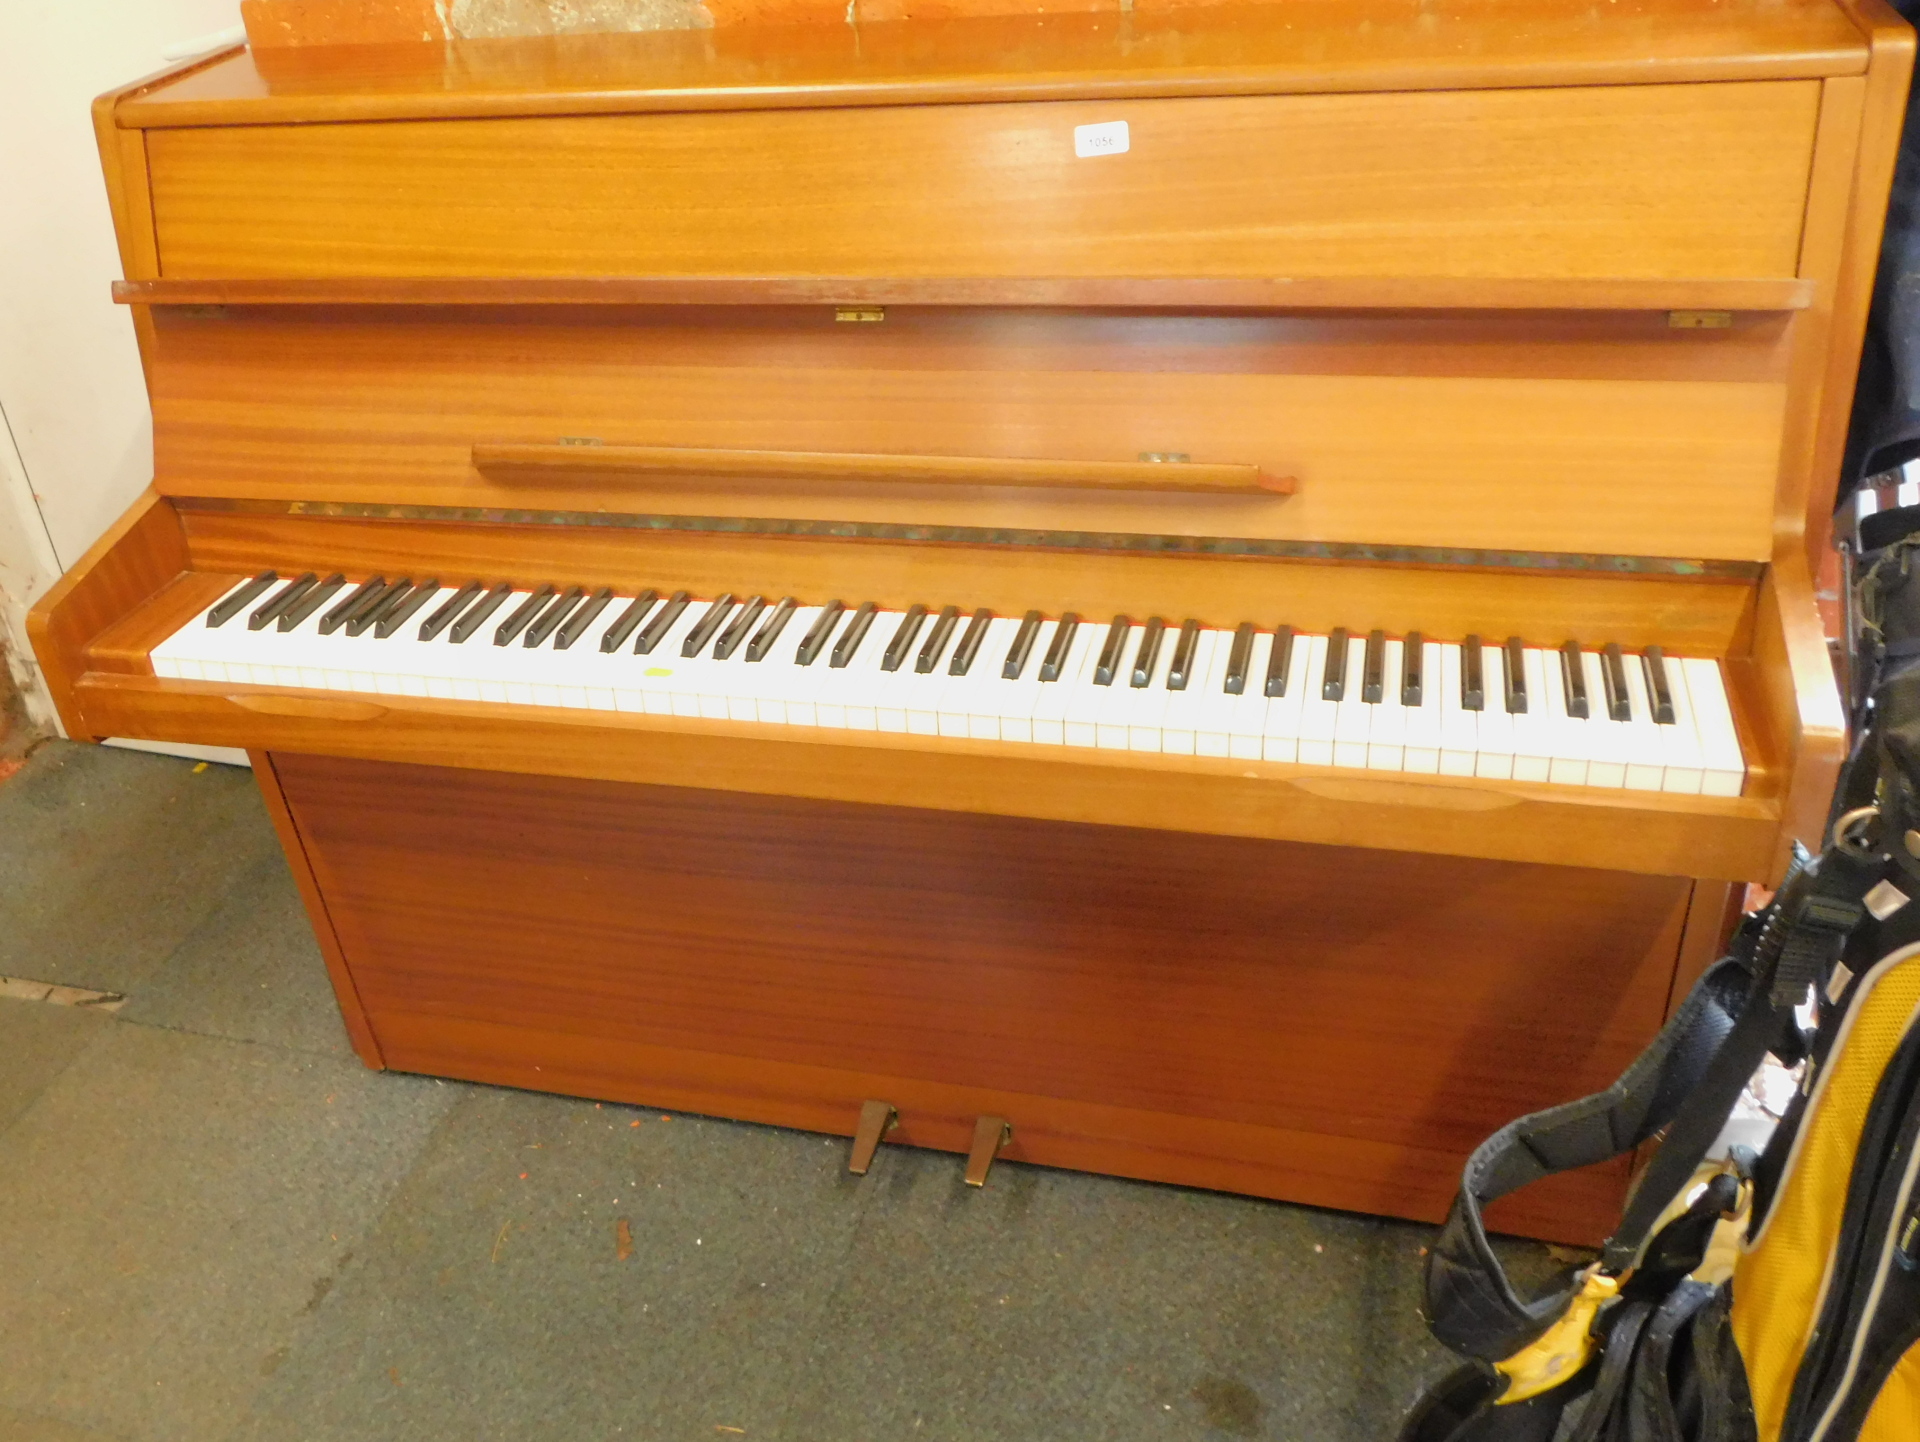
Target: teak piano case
[{"x": 1528, "y": 319}]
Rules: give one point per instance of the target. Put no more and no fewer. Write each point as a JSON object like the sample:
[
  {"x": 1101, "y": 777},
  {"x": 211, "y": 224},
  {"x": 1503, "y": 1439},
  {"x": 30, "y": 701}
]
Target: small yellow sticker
[{"x": 659, "y": 671}]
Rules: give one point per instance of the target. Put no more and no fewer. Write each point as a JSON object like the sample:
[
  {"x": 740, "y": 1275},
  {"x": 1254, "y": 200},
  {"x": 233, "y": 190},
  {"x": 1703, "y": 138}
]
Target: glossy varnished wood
[
  {"x": 1611, "y": 434},
  {"x": 1687, "y": 615},
  {"x": 1142, "y": 1003},
  {"x": 353, "y": 1014},
  {"x": 1727, "y": 838},
  {"x": 1183, "y": 294},
  {"x": 1612, "y": 182},
  {"x": 138, "y": 556},
  {"x": 667, "y": 464},
  {"x": 1355, "y": 45}
]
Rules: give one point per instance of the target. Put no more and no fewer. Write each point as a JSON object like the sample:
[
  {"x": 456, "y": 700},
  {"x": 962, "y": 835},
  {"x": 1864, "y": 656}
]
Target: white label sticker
[{"x": 1107, "y": 138}]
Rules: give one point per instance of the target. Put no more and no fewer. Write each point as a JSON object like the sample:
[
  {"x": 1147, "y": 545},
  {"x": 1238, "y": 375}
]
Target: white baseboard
[{"x": 224, "y": 755}]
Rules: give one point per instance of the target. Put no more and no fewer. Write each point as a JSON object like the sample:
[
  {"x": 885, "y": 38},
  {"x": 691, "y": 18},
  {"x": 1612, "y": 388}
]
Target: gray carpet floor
[{"x": 219, "y": 1225}]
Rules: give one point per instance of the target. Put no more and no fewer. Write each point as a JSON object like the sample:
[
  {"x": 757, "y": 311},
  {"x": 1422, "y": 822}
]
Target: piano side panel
[
  {"x": 1539, "y": 437},
  {"x": 1632, "y": 180},
  {"x": 1321, "y": 1024}
]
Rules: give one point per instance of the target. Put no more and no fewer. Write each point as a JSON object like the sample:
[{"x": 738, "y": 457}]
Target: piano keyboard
[{"x": 1505, "y": 710}]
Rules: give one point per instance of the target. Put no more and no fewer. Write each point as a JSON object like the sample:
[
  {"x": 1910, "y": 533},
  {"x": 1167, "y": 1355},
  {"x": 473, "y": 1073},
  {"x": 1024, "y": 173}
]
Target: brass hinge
[{"x": 860, "y": 314}]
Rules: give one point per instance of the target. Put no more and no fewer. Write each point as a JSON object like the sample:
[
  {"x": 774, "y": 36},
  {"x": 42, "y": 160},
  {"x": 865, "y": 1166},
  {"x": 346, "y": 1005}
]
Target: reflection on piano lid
[{"x": 1499, "y": 710}]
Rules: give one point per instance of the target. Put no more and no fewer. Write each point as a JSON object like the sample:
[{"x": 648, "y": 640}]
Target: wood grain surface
[
  {"x": 1726, "y": 838},
  {"x": 1157, "y": 49},
  {"x": 1612, "y": 434},
  {"x": 783, "y": 961},
  {"x": 1624, "y": 181}
]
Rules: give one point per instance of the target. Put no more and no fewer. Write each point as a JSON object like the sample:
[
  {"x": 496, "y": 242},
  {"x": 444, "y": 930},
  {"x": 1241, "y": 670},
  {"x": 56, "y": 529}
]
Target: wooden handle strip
[{"x": 665, "y": 463}]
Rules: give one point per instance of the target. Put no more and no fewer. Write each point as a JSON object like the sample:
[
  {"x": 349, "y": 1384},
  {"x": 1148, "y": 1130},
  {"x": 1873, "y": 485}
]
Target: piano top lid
[{"x": 1280, "y": 47}]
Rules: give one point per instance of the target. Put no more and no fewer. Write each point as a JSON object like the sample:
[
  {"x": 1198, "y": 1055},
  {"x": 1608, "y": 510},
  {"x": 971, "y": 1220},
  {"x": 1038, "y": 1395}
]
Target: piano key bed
[{"x": 1507, "y": 709}]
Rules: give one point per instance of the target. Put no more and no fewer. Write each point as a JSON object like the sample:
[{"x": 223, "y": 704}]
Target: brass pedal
[
  {"x": 989, "y": 1135},
  {"x": 876, "y": 1120}
]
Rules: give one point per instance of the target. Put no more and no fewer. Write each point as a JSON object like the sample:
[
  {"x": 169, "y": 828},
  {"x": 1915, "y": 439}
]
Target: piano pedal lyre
[
  {"x": 876, "y": 1120},
  {"x": 990, "y": 1134}
]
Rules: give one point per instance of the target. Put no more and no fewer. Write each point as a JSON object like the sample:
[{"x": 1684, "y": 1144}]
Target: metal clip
[{"x": 1849, "y": 832}]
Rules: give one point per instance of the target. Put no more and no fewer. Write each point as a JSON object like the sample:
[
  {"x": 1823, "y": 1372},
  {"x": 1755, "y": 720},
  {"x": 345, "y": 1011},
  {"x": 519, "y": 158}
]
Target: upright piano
[{"x": 1219, "y": 595}]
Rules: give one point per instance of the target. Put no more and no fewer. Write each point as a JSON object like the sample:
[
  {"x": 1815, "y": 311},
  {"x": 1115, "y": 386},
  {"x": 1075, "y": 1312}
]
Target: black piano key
[
  {"x": 477, "y": 616},
  {"x": 1333, "y": 680},
  {"x": 1279, "y": 662},
  {"x": 576, "y": 625},
  {"x": 233, "y": 605},
  {"x": 739, "y": 628},
  {"x": 1057, "y": 649},
  {"x": 1516, "y": 676},
  {"x": 818, "y": 633},
  {"x": 970, "y": 640},
  {"x": 508, "y": 631},
  {"x": 1147, "y": 656},
  {"x": 1659, "y": 688},
  {"x": 1413, "y": 670},
  {"x": 548, "y": 621},
  {"x": 275, "y": 607},
  {"x": 704, "y": 629},
  {"x": 1373, "y": 669},
  {"x": 366, "y": 593},
  {"x": 1613, "y": 675},
  {"x": 1112, "y": 651},
  {"x": 764, "y": 638},
  {"x": 901, "y": 645},
  {"x": 1021, "y": 648},
  {"x": 393, "y": 617},
  {"x": 930, "y": 653},
  {"x": 1239, "y": 658},
  {"x": 655, "y": 631},
  {"x": 312, "y": 601},
  {"x": 444, "y": 614},
  {"x": 636, "y": 612},
  {"x": 1180, "y": 668},
  {"x": 1573, "y": 680},
  {"x": 369, "y": 614},
  {"x": 848, "y": 645},
  {"x": 1473, "y": 676}
]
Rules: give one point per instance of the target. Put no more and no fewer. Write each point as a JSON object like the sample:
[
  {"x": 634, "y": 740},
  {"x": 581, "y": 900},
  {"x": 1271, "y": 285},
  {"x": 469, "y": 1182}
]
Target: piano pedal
[
  {"x": 990, "y": 1134},
  {"x": 876, "y": 1120}
]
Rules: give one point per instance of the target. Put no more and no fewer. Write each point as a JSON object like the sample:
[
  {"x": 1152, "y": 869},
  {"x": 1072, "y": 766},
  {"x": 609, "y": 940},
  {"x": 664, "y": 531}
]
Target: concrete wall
[{"x": 76, "y": 444}]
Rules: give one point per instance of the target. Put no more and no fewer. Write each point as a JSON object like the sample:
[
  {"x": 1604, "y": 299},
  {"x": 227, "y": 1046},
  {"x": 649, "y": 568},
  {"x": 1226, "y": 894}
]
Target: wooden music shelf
[
  {"x": 643, "y": 463},
  {"x": 1177, "y": 293}
]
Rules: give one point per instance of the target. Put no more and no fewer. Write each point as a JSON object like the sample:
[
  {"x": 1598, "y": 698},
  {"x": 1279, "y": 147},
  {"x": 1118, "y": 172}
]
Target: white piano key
[
  {"x": 963, "y": 698},
  {"x": 1316, "y": 712},
  {"x": 1646, "y": 752},
  {"x": 1681, "y": 741},
  {"x": 1214, "y": 716},
  {"x": 1459, "y": 727},
  {"x": 861, "y": 679},
  {"x": 1353, "y": 716},
  {"x": 1533, "y": 731},
  {"x": 1422, "y": 754},
  {"x": 1090, "y": 703},
  {"x": 1493, "y": 723},
  {"x": 1009, "y": 705},
  {"x": 1277, "y": 718},
  {"x": 1057, "y": 697},
  {"x": 1723, "y": 772},
  {"x": 1144, "y": 708},
  {"x": 1387, "y": 726},
  {"x": 1185, "y": 709},
  {"x": 1568, "y": 749},
  {"x": 1607, "y": 740}
]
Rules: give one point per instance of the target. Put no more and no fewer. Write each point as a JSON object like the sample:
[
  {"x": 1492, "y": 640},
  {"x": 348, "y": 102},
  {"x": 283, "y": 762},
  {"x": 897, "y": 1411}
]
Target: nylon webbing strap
[
  {"x": 1471, "y": 1304},
  {"x": 1686, "y": 1082}
]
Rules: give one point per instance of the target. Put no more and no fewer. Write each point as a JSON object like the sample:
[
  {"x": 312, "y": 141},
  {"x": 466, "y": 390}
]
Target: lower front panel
[{"x": 1325, "y": 1025}]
